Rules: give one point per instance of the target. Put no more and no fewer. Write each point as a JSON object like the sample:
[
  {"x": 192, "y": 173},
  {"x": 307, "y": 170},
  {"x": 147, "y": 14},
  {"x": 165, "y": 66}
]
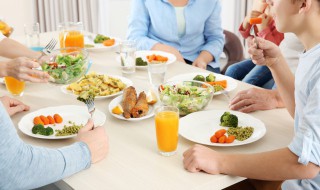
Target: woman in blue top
[{"x": 191, "y": 30}]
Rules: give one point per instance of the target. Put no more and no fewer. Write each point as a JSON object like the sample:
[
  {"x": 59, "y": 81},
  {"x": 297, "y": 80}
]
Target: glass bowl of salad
[
  {"x": 66, "y": 65},
  {"x": 187, "y": 96}
]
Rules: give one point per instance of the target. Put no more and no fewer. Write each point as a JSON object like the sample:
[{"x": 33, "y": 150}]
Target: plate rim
[
  {"x": 63, "y": 88},
  {"x": 263, "y": 131},
  {"x": 53, "y": 137},
  {"x": 117, "y": 100},
  {"x": 104, "y": 48}
]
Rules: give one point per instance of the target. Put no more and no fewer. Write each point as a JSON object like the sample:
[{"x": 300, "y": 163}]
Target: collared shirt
[
  {"x": 23, "y": 166},
  {"x": 306, "y": 142},
  {"x": 154, "y": 21}
]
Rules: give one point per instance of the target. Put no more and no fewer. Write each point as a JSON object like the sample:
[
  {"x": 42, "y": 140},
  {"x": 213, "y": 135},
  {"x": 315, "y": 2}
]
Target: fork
[
  {"x": 49, "y": 47},
  {"x": 252, "y": 33},
  {"x": 91, "y": 107}
]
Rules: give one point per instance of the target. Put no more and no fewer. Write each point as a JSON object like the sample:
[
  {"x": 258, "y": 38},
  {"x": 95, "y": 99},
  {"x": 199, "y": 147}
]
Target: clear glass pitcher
[{"x": 71, "y": 34}]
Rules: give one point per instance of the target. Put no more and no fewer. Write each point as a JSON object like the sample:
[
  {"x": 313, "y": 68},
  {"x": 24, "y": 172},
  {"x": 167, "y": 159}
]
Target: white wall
[{"x": 17, "y": 13}]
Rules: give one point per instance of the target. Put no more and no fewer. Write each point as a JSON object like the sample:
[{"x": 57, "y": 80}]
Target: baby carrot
[
  {"x": 222, "y": 139},
  {"x": 109, "y": 42},
  {"x": 220, "y": 133},
  {"x": 44, "y": 119},
  {"x": 57, "y": 118},
  {"x": 37, "y": 121},
  {"x": 214, "y": 139},
  {"x": 230, "y": 139},
  {"x": 255, "y": 21},
  {"x": 222, "y": 83},
  {"x": 51, "y": 120}
]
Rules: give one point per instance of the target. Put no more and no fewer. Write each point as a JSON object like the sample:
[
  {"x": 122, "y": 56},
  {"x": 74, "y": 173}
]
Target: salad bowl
[
  {"x": 187, "y": 96},
  {"x": 66, "y": 65}
]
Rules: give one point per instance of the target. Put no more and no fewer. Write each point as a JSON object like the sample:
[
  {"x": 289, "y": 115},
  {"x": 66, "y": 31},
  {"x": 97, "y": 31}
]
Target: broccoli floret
[
  {"x": 140, "y": 62},
  {"x": 229, "y": 120},
  {"x": 47, "y": 131},
  {"x": 37, "y": 129},
  {"x": 210, "y": 78},
  {"x": 199, "y": 78},
  {"x": 100, "y": 38}
]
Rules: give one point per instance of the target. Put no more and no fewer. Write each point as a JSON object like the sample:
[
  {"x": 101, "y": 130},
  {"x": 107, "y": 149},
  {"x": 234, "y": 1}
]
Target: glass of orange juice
[
  {"x": 71, "y": 34},
  {"x": 14, "y": 86},
  {"x": 167, "y": 126}
]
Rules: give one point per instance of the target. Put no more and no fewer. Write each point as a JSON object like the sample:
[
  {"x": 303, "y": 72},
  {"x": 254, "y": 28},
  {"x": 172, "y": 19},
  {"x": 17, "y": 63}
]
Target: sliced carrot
[
  {"x": 109, "y": 42},
  {"x": 57, "y": 118},
  {"x": 255, "y": 21},
  {"x": 230, "y": 139},
  {"x": 222, "y": 83},
  {"x": 51, "y": 120},
  {"x": 214, "y": 139},
  {"x": 37, "y": 121},
  {"x": 44, "y": 119},
  {"x": 222, "y": 139},
  {"x": 220, "y": 133}
]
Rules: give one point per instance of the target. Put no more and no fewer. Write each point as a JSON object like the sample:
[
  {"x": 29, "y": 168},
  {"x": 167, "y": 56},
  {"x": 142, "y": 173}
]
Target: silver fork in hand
[
  {"x": 49, "y": 47},
  {"x": 252, "y": 33},
  {"x": 90, "y": 106}
]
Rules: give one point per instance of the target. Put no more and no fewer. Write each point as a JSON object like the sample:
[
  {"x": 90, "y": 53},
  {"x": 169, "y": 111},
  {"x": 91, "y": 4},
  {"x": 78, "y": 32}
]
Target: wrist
[{"x": 3, "y": 69}]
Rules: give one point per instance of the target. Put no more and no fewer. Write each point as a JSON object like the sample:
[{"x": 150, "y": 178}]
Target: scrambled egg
[{"x": 101, "y": 85}]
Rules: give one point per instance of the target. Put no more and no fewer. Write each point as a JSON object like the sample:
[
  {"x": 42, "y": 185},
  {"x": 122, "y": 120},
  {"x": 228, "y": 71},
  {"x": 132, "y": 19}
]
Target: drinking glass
[
  {"x": 127, "y": 56},
  {"x": 167, "y": 126},
  {"x": 32, "y": 34},
  {"x": 157, "y": 72},
  {"x": 71, "y": 34},
  {"x": 14, "y": 86}
]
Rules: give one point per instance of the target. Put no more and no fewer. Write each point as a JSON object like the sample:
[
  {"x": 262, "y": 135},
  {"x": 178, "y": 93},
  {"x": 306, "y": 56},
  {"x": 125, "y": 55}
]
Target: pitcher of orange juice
[{"x": 71, "y": 34}]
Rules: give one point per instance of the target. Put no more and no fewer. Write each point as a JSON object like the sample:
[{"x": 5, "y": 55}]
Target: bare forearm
[
  {"x": 275, "y": 165},
  {"x": 285, "y": 83},
  {"x": 206, "y": 57},
  {"x": 12, "y": 49},
  {"x": 169, "y": 49}
]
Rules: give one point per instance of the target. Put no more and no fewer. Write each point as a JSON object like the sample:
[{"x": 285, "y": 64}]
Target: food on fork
[
  {"x": 255, "y": 21},
  {"x": 141, "y": 108},
  {"x": 128, "y": 101}
]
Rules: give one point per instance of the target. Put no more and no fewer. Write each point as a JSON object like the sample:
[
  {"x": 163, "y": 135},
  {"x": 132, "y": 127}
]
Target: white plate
[
  {"x": 100, "y": 47},
  {"x": 77, "y": 114},
  {"x": 126, "y": 81},
  {"x": 143, "y": 54},
  {"x": 118, "y": 100},
  {"x": 231, "y": 83},
  {"x": 200, "y": 126}
]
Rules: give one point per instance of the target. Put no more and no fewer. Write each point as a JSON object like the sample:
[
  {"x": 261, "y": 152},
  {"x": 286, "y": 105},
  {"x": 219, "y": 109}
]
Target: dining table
[{"x": 133, "y": 161}]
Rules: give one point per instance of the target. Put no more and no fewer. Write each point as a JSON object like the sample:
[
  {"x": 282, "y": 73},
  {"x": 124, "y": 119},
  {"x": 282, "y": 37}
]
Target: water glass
[
  {"x": 167, "y": 127},
  {"x": 157, "y": 72},
  {"x": 127, "y": 57},
  {"x": 32, "y": 34},
  {"x": 14, "y": 86}
]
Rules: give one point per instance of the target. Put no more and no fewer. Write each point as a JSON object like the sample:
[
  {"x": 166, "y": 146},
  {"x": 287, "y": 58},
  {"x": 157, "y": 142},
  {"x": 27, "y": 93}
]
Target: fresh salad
[
  {"x": 187, "y": 96},
  {"x": 65, "y": 68}
]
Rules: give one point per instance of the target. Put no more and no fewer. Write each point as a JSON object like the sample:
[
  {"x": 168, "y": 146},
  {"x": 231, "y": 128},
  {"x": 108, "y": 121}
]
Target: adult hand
[
  {"x": 13, "y": 106},
  {"x": 200, "y": 158},
  {"x": 200, "y": 63},
  {"x": 24, "y": 69},
  {"x": 256, "y": 99},
  {"x": 267, "y": 53},
  {"x": 96, "y": 139}
]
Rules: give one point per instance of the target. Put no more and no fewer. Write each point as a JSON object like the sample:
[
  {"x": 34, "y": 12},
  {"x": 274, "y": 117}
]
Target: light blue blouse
[
  {"x": 23, "y": 166},
  {"x": 306, "y": 142},
  {"x": 154, "y": 21}
]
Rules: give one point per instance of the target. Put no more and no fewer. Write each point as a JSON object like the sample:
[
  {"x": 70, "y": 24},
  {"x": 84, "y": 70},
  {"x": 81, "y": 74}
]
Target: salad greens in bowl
[
  {"x": 66, "y": 65},
  {"x": 187, "y": 96}
]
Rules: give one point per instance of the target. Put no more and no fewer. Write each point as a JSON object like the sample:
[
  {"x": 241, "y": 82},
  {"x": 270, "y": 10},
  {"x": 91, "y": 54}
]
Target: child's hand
[
  {"x": 265, "y": 22},
  {"x": 259, "y": 5}
]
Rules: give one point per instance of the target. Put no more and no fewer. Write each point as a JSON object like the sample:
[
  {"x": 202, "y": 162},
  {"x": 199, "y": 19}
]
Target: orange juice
[
  {"x": 71, "y": 39},
  {"x": 167, "y": 124},
  {"x": 14, "y": 86}
]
